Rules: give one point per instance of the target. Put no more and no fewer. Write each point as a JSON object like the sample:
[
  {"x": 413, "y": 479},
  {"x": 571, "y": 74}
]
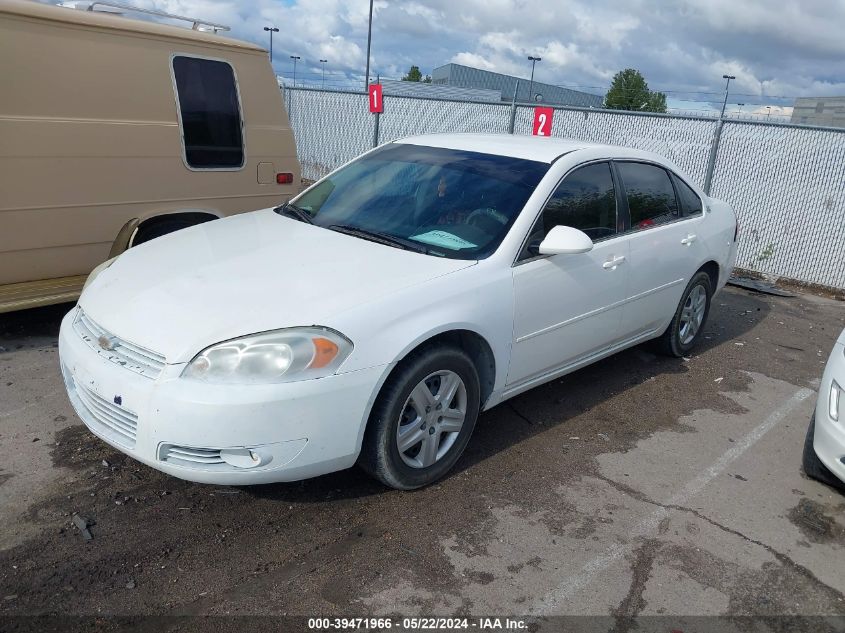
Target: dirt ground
[{"x": 639, "y": 486}]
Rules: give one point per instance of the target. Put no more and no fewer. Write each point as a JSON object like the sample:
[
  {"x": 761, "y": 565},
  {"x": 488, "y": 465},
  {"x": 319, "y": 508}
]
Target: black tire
[
  {"x": 380, "y": 455},
  {"x": 813, "y": 466},
  {"x": 164, "y": 225},
  {"x": 670, "y": 342}
]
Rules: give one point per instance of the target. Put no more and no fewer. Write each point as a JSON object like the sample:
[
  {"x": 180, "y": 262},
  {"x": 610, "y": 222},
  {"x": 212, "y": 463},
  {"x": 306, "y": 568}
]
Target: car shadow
[{"x": 558, "y": 401}]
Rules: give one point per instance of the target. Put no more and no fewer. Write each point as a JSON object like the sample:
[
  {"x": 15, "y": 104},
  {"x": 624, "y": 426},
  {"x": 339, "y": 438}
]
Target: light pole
[
  {"x": 534, "y": 60},
  {"x": 323, "y": 64},
  {"x": 294, "y": 58},
  {"x": 739, "y": 109},
  {"x": 727, "y": 83},
  {"x": 271, "y": 30},
  {"x": 768, "y": 112},
  {"x": 369, "y": 40}
]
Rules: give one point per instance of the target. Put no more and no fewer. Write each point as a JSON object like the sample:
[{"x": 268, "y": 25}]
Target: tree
[
  {"x": 629, "y": 91},
  {"x": 414, "y": 74}
]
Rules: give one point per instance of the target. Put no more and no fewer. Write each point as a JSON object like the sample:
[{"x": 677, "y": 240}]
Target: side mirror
[{"x": 565, "y": 240}]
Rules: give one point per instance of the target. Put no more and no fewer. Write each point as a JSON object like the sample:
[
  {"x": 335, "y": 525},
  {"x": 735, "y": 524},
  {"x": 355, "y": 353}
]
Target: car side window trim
[
  {"x": 629, "y": 230},
  {"x": 179, "y": 113},
  {"x": 519, "y": 259}
]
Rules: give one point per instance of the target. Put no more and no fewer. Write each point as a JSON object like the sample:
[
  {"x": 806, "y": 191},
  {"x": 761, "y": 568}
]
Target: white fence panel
[{"x": 787, "y": 185}]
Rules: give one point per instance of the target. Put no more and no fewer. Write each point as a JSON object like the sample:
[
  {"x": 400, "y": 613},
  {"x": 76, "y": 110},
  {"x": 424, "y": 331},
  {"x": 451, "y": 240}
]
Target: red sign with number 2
[
  {"x": 376, "y": 101},
  {"x": 543, "y": 121}
]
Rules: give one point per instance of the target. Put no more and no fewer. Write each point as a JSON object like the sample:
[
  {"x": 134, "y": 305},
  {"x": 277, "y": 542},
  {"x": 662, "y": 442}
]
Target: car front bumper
[
  {"x": 219, "y": 434},
  {"x": 829, "y": 436}
]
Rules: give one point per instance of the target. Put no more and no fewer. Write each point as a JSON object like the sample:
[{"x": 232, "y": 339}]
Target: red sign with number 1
[
  {"x": 376, "y": 101},
  {"x": 543, "y": 121}
]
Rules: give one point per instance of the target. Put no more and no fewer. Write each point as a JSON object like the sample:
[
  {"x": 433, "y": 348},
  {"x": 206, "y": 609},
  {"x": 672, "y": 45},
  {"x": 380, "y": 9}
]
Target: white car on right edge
[{"x": 824, "y": 446}]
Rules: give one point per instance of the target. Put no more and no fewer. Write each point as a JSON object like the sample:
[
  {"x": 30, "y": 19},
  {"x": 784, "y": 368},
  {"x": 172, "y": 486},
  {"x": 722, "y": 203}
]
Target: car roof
[{"x": 545, "y": 149}]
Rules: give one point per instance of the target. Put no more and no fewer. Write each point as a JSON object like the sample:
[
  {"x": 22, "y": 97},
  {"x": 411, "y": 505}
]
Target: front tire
[
  {"x": 422, "y": 419},
  {"x": 687, "y": 324},
  {"x": 813, "y": 466}
]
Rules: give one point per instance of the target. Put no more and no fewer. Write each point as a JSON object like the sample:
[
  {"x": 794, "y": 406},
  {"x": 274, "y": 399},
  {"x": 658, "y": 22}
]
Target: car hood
[{"x": 249, "y": 273}]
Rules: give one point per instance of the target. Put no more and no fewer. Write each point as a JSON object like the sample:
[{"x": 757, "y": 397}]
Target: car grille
[
  {"x": 119, "y": 351},
  {"x": 115, "y": 423},
  {"x": 191, "y": 457}
]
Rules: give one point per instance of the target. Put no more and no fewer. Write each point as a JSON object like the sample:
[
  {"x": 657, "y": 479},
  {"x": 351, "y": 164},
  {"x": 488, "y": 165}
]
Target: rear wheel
[
  {"x": 422, "y": 419},
  {"x": 813, "y": 466},
  {"x": 688, "y": 322}
]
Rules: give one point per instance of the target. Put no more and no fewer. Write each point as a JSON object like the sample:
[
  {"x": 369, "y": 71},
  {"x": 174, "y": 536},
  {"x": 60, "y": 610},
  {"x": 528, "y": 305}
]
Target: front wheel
[
  {"x": 687, "y": 324},
  {"x": 422, "y": 419},
  {"x": 813, "y": 466}
]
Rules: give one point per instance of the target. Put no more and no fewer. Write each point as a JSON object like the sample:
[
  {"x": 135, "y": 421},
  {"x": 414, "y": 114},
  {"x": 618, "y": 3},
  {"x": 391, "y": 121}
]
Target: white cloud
[{"x": 789, "y": 48}]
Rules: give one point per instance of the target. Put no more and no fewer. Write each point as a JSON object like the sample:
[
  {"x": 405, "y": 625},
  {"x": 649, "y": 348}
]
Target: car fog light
[
  {"x": 242, "y": 457},
  {"x": 833, "y": 400}
]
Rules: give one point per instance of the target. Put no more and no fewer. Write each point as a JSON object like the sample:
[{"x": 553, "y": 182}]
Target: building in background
[
  {"x": 459, "y": 76},
  {"x": 825, "y": 111},
  {"x": 439, "y": 91}
]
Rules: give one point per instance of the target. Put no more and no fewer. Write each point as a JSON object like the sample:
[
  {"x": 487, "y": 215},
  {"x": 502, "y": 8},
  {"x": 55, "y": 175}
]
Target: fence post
[
  {"x": 377, "y": 115},
  {"x": 711, "y": 160},
  {"x": 513, "y": 108}
]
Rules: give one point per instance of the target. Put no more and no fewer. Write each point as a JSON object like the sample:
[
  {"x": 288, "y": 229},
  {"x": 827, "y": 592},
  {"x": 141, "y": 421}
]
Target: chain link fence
[{"x": 786, "y": 183}]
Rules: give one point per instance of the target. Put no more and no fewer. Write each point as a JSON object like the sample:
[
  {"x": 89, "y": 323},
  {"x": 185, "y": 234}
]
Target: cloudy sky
[{"x": 783, "y": 48}]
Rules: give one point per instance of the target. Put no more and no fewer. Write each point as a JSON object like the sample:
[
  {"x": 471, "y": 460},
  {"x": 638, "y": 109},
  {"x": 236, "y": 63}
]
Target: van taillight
[{"x": 284, "y": 178}]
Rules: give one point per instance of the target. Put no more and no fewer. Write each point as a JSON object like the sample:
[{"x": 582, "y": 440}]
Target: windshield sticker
[{"x": 442, "y": 238}]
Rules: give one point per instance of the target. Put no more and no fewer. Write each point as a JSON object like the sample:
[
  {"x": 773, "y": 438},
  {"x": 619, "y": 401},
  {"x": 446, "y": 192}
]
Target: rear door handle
[
  {"x": 689, "y": 239},
  {"x": 611, "y": 264}
]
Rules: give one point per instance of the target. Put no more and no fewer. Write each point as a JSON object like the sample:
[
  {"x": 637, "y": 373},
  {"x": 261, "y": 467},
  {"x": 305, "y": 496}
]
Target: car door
[
  {"x": 568, "y": 307},
  {"x": 665, "y": 249}
]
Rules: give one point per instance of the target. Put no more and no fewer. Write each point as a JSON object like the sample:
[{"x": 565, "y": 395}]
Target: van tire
[{"x": 156, "y": 227}]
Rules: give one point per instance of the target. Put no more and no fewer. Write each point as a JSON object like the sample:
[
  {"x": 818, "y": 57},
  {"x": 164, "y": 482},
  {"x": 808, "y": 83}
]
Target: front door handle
[
  {"x": 611, "y": 264},
  {"x": 689, "y": 239}
]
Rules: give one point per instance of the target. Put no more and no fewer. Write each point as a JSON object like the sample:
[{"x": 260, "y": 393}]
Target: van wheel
[
  {"x": 688, "y": 323},
  {"x": 157, "y": 227},
  {"x": 813, "y": 466},
  {"x": 422, "y": 419}
]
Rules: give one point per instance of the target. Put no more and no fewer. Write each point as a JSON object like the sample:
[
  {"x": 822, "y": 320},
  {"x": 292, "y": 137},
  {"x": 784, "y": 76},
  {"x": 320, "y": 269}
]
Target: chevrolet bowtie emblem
[{"x": 106, "y": 343}]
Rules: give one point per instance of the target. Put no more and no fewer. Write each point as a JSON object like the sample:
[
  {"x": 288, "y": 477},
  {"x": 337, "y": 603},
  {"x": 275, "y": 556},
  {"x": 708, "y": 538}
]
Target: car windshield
[{"x": 445, "y": 202}]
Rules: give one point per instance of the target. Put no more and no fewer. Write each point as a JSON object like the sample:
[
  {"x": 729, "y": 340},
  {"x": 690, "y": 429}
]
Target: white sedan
[
  {"x": 371, "y": 319},
  {"x": 824, "y": 446}
]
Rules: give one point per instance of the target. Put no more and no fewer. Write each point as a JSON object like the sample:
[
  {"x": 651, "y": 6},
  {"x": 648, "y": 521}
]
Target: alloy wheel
[
  {"x": 431, "y": 419},
  {"x": 692, "y": 314}
]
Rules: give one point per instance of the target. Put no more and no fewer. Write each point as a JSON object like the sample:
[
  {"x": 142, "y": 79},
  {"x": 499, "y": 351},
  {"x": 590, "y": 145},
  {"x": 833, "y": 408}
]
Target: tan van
[{"x": 114, "y": 131}]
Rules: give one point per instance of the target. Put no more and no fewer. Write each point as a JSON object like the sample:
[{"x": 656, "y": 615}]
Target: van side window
[{"x": 210, "y": 113}]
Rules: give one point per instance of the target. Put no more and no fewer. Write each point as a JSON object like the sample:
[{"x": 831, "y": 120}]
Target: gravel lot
[{"x": 639, "y": 486}]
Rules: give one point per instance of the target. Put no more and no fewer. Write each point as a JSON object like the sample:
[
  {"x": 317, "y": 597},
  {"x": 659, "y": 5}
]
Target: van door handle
[
  {"x": 611, "y": 264},
  {"x": 689, "y": 239}
]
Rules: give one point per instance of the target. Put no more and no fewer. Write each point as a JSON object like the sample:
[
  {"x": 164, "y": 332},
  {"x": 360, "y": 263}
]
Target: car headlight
[
  {"x": 833, "y": 400},
  {"x": 93, "y": 274},
  {"x": 271, "y": 357}
]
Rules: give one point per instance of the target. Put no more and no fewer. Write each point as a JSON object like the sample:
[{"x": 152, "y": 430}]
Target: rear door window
[
  {"x": 651, "y": 197},
  {"x": 210, "y": 113}
]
